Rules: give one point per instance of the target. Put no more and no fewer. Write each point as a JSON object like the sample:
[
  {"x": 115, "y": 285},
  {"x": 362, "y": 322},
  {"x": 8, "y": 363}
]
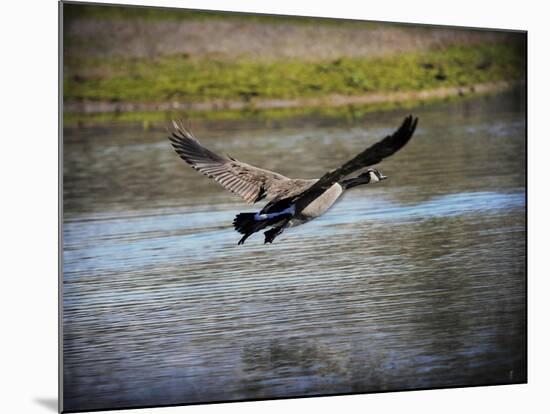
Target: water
[{"x": 415, "y": 282}]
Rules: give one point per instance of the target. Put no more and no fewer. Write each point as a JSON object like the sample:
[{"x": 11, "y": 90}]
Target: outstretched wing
[
  {"x": 371, "y": 156},
  {"x": 249, "y": 182}
]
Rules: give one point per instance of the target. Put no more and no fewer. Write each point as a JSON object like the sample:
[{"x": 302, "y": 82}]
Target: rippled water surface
[{"x": 415, "y": 282}]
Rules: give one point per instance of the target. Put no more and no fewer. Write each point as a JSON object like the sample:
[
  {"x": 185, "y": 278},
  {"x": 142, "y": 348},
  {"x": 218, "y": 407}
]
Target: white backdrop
[{"x": 28, "y": 173}]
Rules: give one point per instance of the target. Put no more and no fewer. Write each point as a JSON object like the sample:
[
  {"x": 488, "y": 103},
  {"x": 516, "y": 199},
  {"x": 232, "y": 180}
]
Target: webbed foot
[{"x": 271, "y": 234}]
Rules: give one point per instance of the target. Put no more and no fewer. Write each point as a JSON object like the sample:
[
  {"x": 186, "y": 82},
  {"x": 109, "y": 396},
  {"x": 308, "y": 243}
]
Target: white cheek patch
[
  {"x": 373, "y": 177},
  {"x": 267, "y": 216}
]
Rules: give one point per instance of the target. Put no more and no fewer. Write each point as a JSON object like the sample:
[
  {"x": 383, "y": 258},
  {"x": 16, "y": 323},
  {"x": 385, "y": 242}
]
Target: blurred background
[
  {"x": 416, "y": 282},
  {"x": 150, "y": 64}
]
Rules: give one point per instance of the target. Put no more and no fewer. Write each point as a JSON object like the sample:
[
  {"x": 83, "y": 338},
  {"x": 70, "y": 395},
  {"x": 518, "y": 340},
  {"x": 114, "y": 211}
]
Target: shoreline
[{"x": 332, "y": 100}]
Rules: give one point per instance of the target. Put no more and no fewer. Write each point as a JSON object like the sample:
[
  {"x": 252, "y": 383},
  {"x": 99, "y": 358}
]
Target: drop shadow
[{"x": 49, "y": 403}]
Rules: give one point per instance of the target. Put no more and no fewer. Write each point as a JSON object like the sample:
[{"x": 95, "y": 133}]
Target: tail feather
[
  {"x": 245, "y": 223},
  {"x": 249, "y": 223}
]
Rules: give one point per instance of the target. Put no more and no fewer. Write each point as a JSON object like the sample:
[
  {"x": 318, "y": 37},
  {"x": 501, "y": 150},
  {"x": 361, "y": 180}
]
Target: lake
[{"x": 415, "y": 282}]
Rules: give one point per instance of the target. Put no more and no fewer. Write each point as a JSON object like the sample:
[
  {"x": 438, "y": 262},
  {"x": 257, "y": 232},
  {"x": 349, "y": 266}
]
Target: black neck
[{"x": 354, "y": 182}]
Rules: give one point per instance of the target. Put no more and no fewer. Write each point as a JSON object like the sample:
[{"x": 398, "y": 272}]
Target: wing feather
[
  {"x": 249, "y": 182},
  {"x": 370, "y": 156}
]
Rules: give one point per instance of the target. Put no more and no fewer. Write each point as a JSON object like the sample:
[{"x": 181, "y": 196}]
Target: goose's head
[
  {"x": 370, "y": 176},
  {"x": 375, "y": 175}
]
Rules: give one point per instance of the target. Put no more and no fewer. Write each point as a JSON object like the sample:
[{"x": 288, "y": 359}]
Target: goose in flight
[{"x": 291, "y": 202}]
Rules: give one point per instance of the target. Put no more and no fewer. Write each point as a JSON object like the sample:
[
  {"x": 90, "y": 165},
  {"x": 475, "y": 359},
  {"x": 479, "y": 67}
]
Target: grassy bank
[{"x": 181, "y": 79}]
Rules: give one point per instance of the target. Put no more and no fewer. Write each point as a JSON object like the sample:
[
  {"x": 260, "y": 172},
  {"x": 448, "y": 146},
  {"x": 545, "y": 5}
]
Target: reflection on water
[{"x": 415, "y": 282}]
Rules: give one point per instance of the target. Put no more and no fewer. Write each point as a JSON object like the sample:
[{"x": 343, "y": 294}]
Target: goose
[{"x": 291, "y": 202}]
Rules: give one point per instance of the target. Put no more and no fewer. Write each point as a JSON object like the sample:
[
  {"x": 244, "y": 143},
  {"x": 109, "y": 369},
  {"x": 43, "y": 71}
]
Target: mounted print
[{"x": 258, "y": 207}]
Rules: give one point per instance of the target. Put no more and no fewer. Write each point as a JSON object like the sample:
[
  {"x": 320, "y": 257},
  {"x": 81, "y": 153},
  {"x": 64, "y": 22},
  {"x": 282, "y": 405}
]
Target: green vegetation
[{"x": 179, "y": 78}]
